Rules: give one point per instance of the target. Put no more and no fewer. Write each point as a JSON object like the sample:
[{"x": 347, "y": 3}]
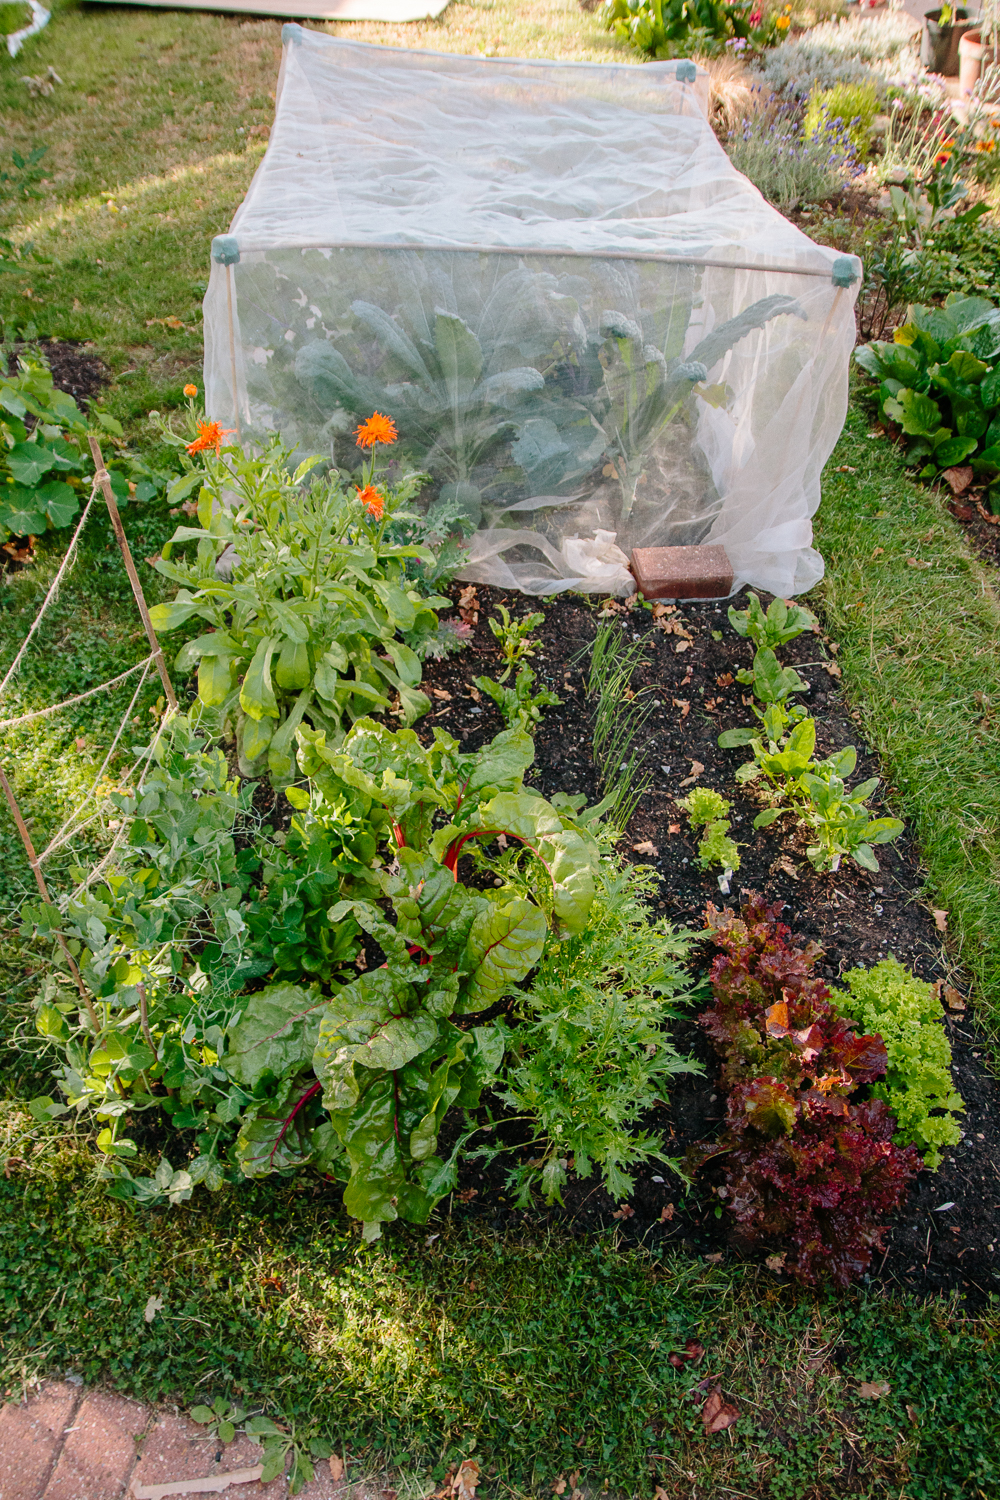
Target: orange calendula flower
[
  {"x": 372, "y": 501},
  {"x": 210, "y": 435},
  {"x": 190, "y": 390},
  {"x": 783, "y": 23},
  {"x": 377, "y": 429}
]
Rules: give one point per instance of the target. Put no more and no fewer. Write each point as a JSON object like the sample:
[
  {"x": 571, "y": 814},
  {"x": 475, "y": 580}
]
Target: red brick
[
  {"x": 99, "y": 1450},
  {"x": 682, "y": 572},
  {"x": 176, "y": 1448},
  {"x": 31, "y": 1436}
]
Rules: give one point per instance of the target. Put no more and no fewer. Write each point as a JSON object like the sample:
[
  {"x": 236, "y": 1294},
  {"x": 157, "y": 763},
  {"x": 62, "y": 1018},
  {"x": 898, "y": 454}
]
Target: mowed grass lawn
[{"x": 542, "y": 1355}]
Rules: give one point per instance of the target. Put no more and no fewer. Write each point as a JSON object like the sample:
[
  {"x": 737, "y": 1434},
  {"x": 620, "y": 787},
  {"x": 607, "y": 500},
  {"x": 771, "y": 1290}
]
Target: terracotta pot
[
  {"x": 973, "y": 56},
  {"x": 939, "y": 44}
]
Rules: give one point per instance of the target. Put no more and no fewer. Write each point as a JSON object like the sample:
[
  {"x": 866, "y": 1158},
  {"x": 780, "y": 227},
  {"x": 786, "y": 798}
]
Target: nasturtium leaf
[
  {"x": 59, "y": 501},
  {"x": 29, "y": 461},
  {"x": 276, "y": 1033},
  {"x": 18, "y": 513}
]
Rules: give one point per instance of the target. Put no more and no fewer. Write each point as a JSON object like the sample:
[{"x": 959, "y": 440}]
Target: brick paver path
[{"x": 67, "y": 1443}]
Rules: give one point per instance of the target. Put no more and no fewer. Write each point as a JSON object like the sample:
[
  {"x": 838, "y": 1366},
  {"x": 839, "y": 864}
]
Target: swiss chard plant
[
  {"x": 800, "y": 1161},
  {"x": 939, "y": 383},
  {"x": 403, "y": 1043},
  {"x": 309, "y": 608}
]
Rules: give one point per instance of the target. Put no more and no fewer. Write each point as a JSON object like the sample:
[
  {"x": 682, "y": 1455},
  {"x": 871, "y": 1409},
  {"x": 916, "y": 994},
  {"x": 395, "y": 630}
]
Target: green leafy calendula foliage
[
  {"x": 939, "y": 381},
  {"x": 309, "y": 605},
  {"x": 592, "y": 1054},
  {"x": 906, "y": 1014}
]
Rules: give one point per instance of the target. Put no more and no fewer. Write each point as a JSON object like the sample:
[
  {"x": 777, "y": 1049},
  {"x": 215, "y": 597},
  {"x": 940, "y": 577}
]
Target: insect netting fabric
[{"x": 591, "y": 331}]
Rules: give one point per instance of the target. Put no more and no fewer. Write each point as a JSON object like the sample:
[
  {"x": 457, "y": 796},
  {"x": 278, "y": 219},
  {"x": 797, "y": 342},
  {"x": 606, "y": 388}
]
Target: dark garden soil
[
  {"x": 948, "y": 1238},
  {"x": 75, "y": 368}
]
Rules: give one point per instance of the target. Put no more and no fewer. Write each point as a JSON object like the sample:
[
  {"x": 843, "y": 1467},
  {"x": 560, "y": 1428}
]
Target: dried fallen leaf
[
  {"x": 681, "y": 646},
  {"x": 666, "y": 1213},
  {"x": 953, "y": 998},
  {"x": 465, "y": 1481},
  {"x": 475, "y": 695},
  {"x": 845, "y": 469},
  {"x": 725, "y": 680},
  {"x": 911, "y": 1413},
  {"x": 878, "y": 552},
  {"x": 153, "y": 1306},
  {"x": 713, "y": 1260},
  {"x": 81, "y": 743},
  {"x": 913, "y": 562},
  {"x": 442, "y": 693},
  {"x": 940, "y": 919},
  {"x": 696, "y": 770},
  {"x": 673, "y": 828},
  {"x": 646, "y": 848},
  {"x": 172, "y": 322},
  {"x": 832, "y": 669},
  {"x": 559, "y": 1488},
  {"x": 993, "y": 520},
  {"x": 336, "y": 1468},
  {"x": 783, "y": 865},
  {"x": 717, "y": 1414},
  {"x": 776, "y": 1262},
  {"x": 684, "y": 705},
  {"x": 710, "y": 703},
  {"x": 624, "y": 1211},
  {"x": 958, "y": 479},
  {"x": 468, "y": 604},
  {"x": 661, "y": 610},
  {"x": 873, "y": 1390}
]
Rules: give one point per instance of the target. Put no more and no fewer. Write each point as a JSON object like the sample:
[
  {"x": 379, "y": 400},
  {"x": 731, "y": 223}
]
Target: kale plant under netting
[{"x": 590, "y": 330}]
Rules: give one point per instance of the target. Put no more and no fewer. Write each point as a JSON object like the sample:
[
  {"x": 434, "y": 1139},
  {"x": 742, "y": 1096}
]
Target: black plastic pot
[{"x": 939, "y": 44}]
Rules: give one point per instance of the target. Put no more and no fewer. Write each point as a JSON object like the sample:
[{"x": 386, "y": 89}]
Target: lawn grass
[
  {"x": 918, "y": 620},
  {"x": 542, "y": 1354}
]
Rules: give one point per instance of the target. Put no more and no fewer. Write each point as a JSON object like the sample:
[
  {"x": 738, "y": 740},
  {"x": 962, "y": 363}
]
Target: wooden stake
[
  {"x": 104, "y": 480},
  {"x": 29, "y": 847}
]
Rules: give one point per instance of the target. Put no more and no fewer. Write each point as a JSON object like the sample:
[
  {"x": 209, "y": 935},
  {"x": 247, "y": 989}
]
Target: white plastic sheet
[{"x": 590, "y": 330}]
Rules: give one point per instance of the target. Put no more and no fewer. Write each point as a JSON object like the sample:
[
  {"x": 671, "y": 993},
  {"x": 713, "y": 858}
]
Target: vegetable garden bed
[{"x": 857, "y": 916}]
